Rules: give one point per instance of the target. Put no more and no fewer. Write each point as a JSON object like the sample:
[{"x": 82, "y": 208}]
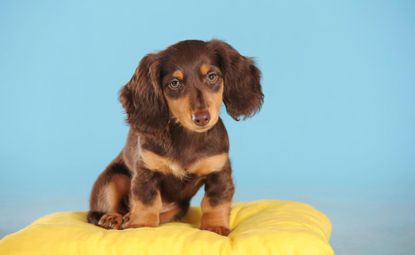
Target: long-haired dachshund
[{"x": 177, "y": 141}]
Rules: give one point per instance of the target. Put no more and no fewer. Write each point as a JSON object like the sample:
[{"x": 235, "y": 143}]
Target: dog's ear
[
  {"x": 242, "y": 92},
  {"x": 142, "y": 98}
]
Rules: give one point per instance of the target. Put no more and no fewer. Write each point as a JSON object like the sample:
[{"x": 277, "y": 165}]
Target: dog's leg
[
  {"x": 145, "y": 200},
  {"x": 216, "y": 203},
  {"x": 108, "y": 193}
]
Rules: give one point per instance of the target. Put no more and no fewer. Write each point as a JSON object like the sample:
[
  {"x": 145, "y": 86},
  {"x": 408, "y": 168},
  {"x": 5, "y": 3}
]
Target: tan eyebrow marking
[
  {"x": 204, "y": 69},
  {"x": 178, "y": 74}
]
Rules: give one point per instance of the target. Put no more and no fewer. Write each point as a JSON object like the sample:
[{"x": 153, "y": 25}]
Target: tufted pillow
[{"x": 260, "y": 227}]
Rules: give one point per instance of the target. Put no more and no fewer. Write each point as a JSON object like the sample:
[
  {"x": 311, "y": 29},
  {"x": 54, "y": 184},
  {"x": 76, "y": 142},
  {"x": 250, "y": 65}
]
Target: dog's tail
[{"x": 94, "y": 216}]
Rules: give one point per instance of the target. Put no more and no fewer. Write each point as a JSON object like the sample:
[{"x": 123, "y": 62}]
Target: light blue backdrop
[{"x": 337, "y": 129}]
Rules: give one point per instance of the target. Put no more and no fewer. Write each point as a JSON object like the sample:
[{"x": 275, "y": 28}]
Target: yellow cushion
[{"x": 260, "y": 227}]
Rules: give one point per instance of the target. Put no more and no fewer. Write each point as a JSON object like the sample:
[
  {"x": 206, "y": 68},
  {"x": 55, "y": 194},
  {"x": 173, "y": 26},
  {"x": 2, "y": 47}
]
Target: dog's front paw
[
  {"x": 220, "y": 230},
  {"x": 111, "y": 221},
  {"x": 127, "y": 222}
]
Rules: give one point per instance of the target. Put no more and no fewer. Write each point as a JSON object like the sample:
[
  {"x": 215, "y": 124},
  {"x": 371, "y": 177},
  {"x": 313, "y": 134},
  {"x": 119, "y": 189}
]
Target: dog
[{"x": 177, "y": 141}]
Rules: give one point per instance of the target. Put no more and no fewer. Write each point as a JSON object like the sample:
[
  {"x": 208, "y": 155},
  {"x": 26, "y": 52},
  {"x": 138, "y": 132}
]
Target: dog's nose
[{"x": 201, "y": 118}]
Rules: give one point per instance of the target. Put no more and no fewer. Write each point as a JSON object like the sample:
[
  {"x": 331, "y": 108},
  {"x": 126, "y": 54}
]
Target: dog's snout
[{"x": 201, "y": 118}]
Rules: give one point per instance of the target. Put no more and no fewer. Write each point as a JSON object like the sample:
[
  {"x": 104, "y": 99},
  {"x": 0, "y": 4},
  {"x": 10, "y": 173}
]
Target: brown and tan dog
[{"x": 177, "y": 141}]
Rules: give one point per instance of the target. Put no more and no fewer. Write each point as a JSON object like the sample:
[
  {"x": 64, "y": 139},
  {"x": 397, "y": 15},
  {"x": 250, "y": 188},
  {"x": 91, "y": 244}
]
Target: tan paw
[
  {"x": 223, "y": 231},
  {"x": 128, "y": 223},
  {"x": 111, "y": 221}
]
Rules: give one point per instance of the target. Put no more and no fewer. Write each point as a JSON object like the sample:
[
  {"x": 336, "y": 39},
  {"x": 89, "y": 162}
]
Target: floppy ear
[
  {"x": 142, "y": 97},
  {"x": 242, "y": 92}
]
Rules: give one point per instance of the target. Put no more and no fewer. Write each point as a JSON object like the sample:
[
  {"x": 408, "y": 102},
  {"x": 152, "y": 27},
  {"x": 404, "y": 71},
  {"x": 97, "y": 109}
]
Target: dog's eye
[
  {"x": 212, "y": 77},
  {"x": 174, "y": 84}
]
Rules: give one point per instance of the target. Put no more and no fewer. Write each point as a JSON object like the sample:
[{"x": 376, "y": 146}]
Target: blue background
[{"x": 337, "y": 129}]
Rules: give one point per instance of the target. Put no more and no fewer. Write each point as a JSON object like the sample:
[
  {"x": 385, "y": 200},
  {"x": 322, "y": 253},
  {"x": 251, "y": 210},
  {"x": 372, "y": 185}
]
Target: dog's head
[{"x": 187, "y": 82}]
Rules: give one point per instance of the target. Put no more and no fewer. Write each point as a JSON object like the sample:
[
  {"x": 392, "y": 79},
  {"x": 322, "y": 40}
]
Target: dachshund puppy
[{"x": 177, "y": 141}]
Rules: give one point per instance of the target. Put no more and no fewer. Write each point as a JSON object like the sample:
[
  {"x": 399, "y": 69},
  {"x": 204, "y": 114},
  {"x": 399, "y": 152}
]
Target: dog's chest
[{"x": 201, "y": 166}]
